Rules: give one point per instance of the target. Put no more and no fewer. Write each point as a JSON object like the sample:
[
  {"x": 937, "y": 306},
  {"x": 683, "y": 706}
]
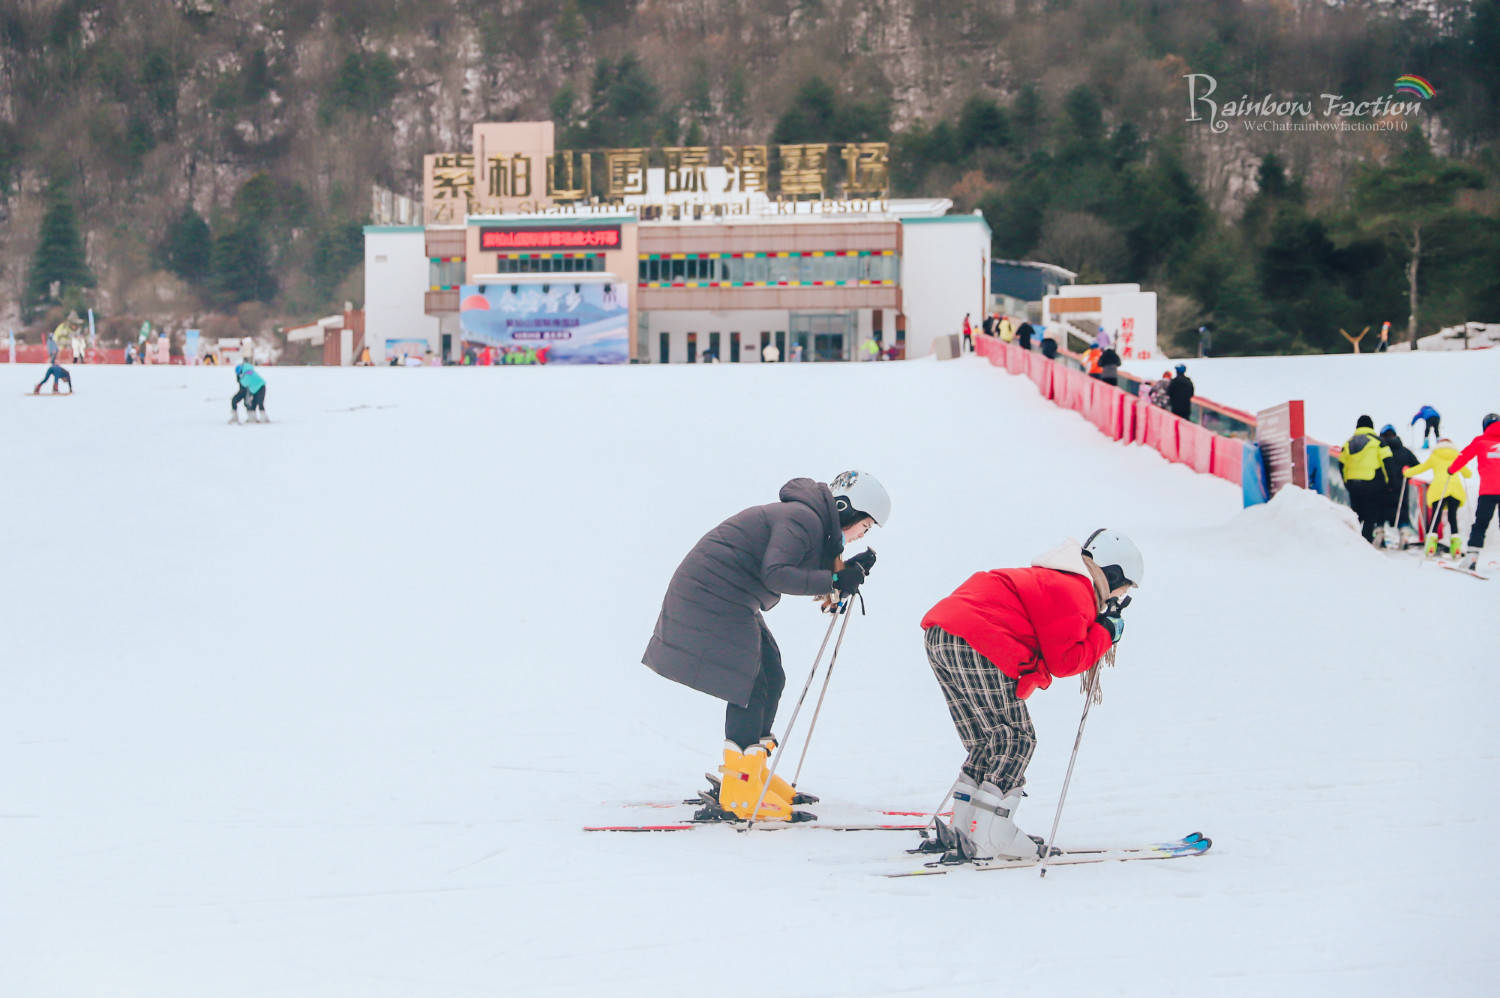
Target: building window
[
  {"x": 666, "y": 348},
  {"x": 562, "y": 263},
  {"x": 713, "y": 345},
  {"x": 692, "y": 345},
  {"x": 734, "y": 348},
  {"x": 443, "y": 275}
]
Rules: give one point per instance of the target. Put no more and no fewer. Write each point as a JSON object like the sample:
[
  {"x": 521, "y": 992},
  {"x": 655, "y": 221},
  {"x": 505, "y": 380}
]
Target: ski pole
[
  {"x": 932, "y": 822},
  {"x": 1432, "y": 523},
  {"x": 841, "y": 607},
  {"x": 1395, "y": 520},
  {"x": 818, "y": 707},
  {"x": 1088, "y": 699}
]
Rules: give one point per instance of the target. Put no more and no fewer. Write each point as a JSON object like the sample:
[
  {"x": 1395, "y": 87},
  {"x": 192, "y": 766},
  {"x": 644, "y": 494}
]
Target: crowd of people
[{"x": 1377, "y": 468}]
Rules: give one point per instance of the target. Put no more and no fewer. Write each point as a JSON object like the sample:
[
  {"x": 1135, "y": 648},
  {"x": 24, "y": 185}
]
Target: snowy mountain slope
[{"x": 324, "y": 715}]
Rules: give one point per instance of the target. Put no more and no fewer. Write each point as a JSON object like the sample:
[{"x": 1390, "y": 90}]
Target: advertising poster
[{"x": 559, "y": 323}]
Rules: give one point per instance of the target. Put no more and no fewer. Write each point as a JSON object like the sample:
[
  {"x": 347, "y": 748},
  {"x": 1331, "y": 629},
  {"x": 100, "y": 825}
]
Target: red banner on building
[{"x": 606, "y": 237}]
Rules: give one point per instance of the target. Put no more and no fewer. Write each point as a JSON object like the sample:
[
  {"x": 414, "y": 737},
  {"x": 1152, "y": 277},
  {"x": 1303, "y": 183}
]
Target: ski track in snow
[{"x": 321, "y": 711}]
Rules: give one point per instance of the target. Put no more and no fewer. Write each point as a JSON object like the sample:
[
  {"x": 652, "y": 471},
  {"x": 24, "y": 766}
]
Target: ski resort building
[{"x": 696, "y": 261}]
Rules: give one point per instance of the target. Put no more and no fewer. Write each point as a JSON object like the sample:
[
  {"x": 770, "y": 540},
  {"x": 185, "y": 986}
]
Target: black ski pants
[
  {"x": 1488, "y": 506},
  {"x": 1446, "y": 506},
  {"x": 1367, "y": 499},
  {"x": 253, "y": 401},
  {"x": 749, "y": 724}
]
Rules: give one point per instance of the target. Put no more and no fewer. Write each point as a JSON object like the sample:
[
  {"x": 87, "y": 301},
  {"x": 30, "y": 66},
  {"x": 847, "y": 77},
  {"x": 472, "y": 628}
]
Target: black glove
[
  {"x": 848, "y": 581},
  {"x": 1111, "y": 619},
  {"x": 865, "y": 560}
]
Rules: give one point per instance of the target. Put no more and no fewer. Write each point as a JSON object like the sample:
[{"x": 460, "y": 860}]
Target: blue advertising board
[{"x": 555, "y": 323}]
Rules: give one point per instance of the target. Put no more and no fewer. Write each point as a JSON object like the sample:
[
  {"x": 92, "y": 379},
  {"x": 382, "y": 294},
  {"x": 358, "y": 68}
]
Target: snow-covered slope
[
  {"x": 318, "y": 708},
  {"x": 1339, "y": 388}
]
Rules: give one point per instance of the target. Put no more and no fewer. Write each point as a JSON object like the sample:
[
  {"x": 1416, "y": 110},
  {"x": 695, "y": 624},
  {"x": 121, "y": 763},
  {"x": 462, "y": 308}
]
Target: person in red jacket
[
  {"x": 999, "y": 638},
  {"x": 1485, "y": 447}
]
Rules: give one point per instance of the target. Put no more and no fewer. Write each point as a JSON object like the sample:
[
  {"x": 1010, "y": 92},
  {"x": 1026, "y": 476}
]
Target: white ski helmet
[
  {"x": 860, "y": 492},
  {"x": 1117, "y": 556}
]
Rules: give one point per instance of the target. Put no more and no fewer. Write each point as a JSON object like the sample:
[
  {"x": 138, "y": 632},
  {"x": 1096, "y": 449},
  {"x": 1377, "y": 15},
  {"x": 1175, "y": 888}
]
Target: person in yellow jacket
[
  {"x": 1007, "y": 331},
  {"x": 1445, "y": 494},
  {"x": 1363, "y": 463},
  {"x": 62, "y": 336}
]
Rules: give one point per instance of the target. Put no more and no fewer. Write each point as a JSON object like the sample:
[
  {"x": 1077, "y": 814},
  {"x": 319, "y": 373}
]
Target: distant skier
[
  {"x": 1445, "y": 494},
  {"x": 252, "y": 391},
  {"x": 1024, "y": 332},
  {"x": 1485, "y": 447},
  {"x": 1398, "y": 532},
  {"x": 1000, "y": 637},
  {"x": 1431, "y": 423},
  {"x": 1159, "y": 395},
  {"x": 1180, "y": 393},
  {"x": 1363, "y": 463},
  {"x": 712, "y": 637},
  {"x": 1109, "y": 366},
  {"x": 58, "y": 374},
  {"x": 63, "y": 337}
]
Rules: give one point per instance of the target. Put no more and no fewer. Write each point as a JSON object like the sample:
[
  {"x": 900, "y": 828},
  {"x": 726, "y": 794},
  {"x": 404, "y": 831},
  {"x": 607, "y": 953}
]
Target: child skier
[
  {"x": 252, "y": 389},
  {"x": 1000, "y": 637},
  {"x": 1485, "y": 447},
  {"x": 1444, "y": 496},
  {"x": 58, "y": 374},
  {"x": 1431, "y": 423},
  {"x": 711, "y": 634}
]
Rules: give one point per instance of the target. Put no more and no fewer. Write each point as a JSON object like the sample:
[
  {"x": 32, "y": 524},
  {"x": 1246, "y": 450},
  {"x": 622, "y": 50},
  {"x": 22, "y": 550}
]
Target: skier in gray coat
[{"x": 711, "y": 634}]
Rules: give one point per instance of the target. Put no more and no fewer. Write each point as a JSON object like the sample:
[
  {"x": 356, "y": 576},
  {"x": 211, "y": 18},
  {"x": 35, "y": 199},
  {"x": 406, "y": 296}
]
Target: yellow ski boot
[
  {"x": 780, "y": 787},
  {"x": 744, "y": 777},
  {"x": 1455, "y": 548},
  {"x": 1430, "y": 548}
]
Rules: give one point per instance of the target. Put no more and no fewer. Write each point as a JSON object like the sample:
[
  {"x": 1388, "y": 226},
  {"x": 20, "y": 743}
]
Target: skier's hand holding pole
[{"x": 1111, "y": 619}]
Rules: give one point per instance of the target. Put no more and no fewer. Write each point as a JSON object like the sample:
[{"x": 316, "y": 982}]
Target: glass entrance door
[{"x": 830, "y": 334}]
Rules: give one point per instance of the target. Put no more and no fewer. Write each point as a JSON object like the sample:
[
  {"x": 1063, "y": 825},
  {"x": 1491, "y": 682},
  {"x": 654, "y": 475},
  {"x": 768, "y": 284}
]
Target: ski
[
  {"x": 827, "y": 826},
  {"x": 1189, "y": 845},
  {"x": 664, "y": 805},
  {"x": 1464, "y": 571}
]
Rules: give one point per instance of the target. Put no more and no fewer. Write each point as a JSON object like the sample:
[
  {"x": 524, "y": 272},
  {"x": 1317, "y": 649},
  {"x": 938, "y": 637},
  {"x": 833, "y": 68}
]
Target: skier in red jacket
[
  {"x": 1002, "y": 636},
  {"x": 1486, "y": 447}
]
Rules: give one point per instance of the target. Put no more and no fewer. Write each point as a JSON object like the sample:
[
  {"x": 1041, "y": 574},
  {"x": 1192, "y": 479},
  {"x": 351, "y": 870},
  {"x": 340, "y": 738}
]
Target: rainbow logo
[{"x": 1414, "y": 85}]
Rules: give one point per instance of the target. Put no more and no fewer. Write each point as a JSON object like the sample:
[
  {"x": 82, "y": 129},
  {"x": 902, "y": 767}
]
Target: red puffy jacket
[
  {"x": 1034, "y": 624},
  {"x": 1486, "y": 447}
]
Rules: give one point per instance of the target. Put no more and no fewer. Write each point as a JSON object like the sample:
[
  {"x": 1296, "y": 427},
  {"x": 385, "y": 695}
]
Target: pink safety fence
[{"x": 1120, "y": 415}]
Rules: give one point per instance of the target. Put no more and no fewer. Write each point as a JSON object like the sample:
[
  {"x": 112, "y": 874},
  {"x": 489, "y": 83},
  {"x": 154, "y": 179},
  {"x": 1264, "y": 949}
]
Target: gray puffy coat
[{"x": 710, "y": 630}]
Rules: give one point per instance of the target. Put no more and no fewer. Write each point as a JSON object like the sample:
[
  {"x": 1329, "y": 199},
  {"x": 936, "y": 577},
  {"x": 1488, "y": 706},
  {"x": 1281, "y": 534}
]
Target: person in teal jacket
[{"x": 252, "y": 390}]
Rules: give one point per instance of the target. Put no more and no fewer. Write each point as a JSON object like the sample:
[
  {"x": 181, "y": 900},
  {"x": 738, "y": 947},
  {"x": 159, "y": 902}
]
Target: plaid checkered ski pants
[{"x": 992, "y": 722}]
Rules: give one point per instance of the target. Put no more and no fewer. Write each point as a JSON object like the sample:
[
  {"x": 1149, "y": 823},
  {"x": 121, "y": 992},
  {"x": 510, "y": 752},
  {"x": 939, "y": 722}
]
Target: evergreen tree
[
  {"x": 59, "y": 256},
  {"x": 187, "y": 248},
  {"x": 1404, "y": 201},
  {"x": 241, "y": 266},
  {"x": 982, "y": 124},
  {"x": 810, "y": 117}
]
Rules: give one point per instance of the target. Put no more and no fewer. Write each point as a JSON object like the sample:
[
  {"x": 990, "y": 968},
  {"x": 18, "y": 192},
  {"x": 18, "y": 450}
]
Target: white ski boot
[
  {"x": 947, "y": 840},
  {"x": 234, "y": 418},
  {"x": 992, "y": 832},
  {"x": 1470, "y": 560}
]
